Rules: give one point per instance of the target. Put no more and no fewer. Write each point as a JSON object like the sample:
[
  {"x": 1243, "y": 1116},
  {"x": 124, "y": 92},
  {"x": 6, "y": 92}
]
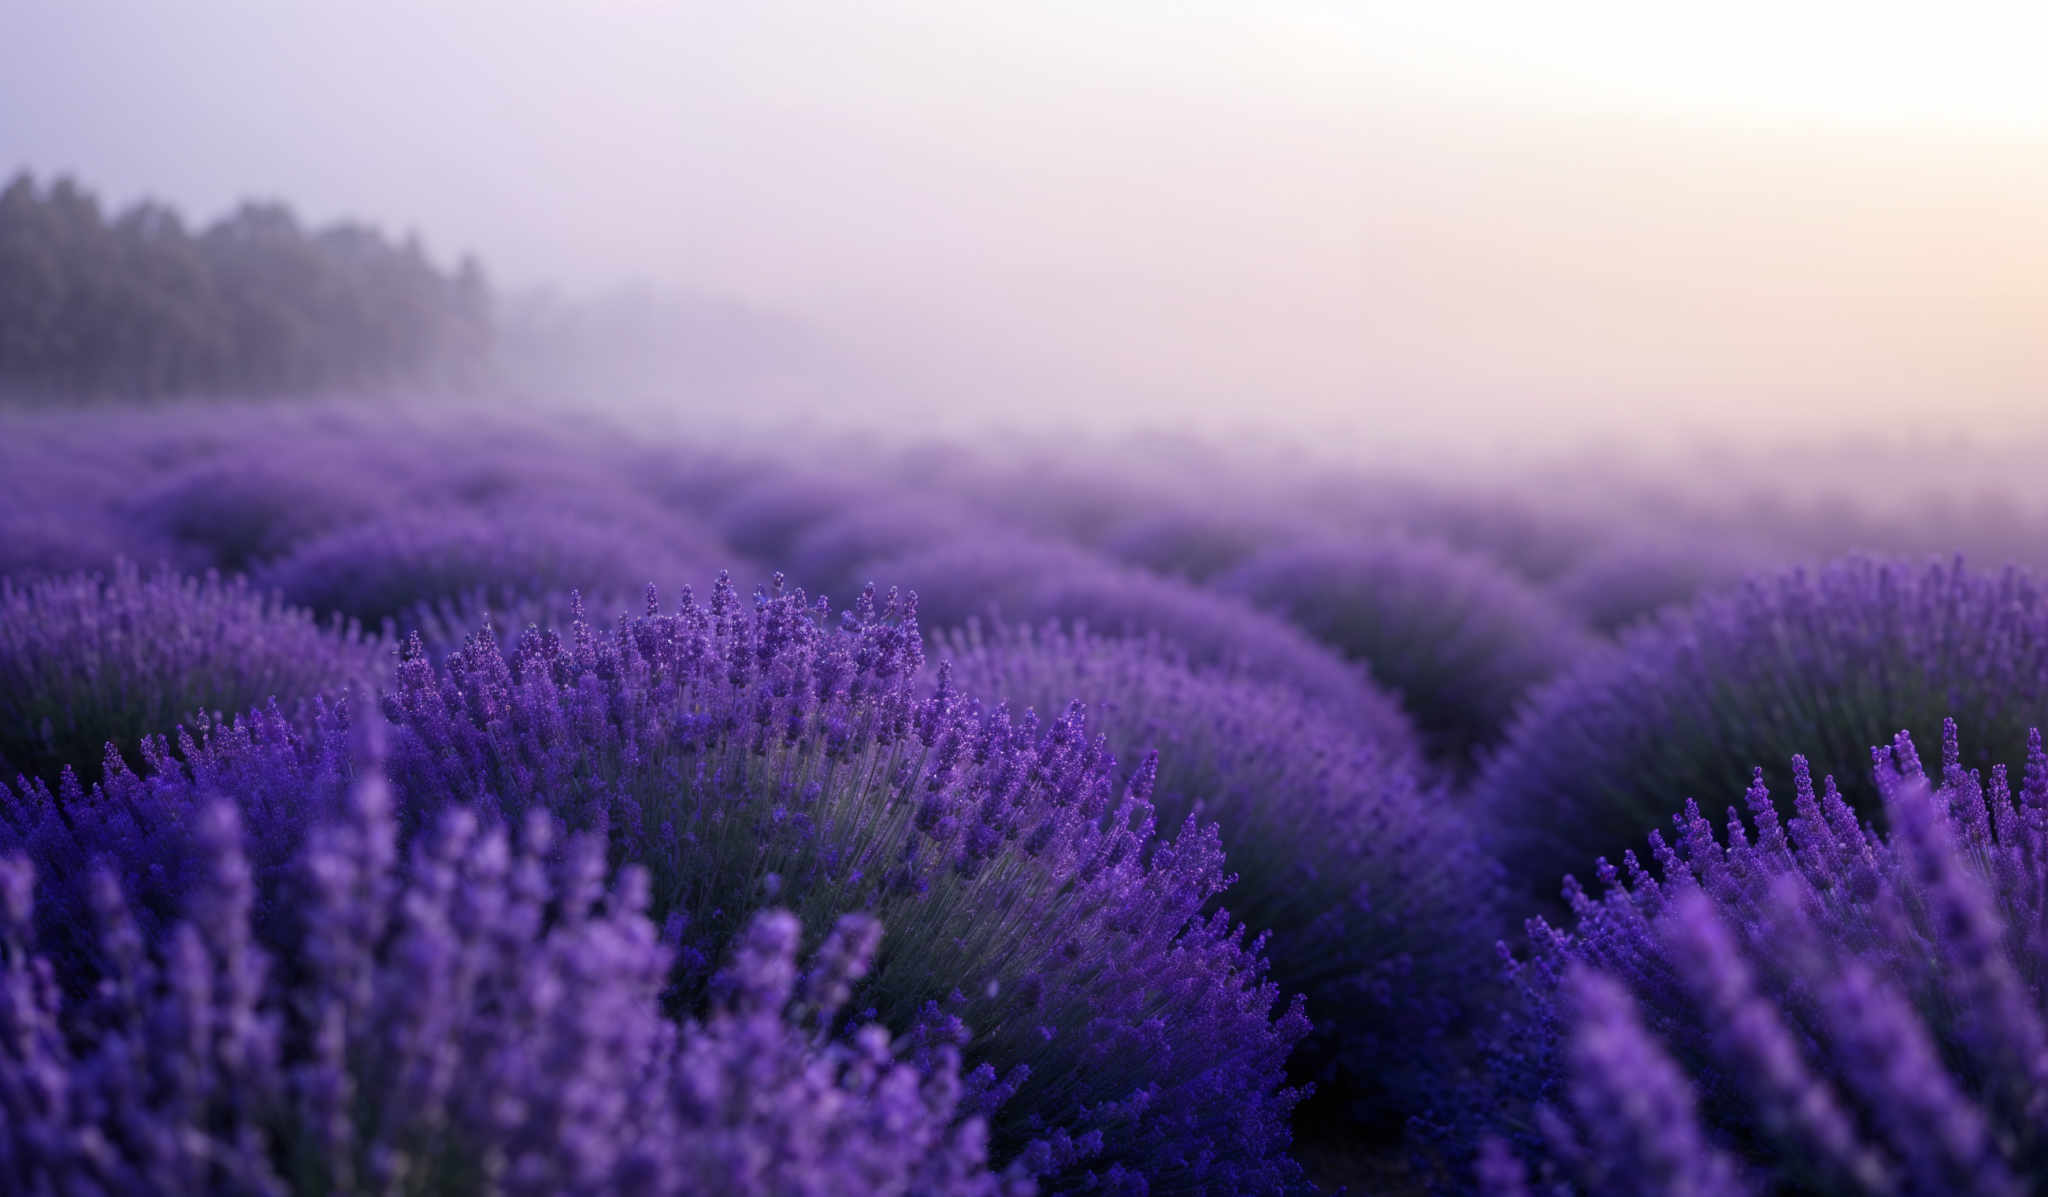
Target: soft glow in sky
[
  {"x": 1514, "y": 217},
  {"x": 1960, "y": 66}
]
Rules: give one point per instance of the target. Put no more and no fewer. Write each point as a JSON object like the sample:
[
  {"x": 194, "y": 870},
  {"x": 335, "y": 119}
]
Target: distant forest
[{"x": 137, "y": 304}]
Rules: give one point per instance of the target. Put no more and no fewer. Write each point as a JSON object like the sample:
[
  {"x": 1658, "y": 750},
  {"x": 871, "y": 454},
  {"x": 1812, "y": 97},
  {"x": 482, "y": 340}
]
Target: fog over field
[
  {"x": 932, "y": 599},
  {"x": 1447, "y": 221}
]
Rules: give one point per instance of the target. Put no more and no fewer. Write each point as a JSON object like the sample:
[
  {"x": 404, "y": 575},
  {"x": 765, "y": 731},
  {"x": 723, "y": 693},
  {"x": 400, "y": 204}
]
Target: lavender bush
[
  {"x": 1459, "y": 640},
  {"x": 36, "y": 544},
  {"x": 771, "y": 1101},
  {"x": 1197, "y": 543},
  {"x": 765, "y": 518},
  {"x": 90, "y": 659},
  {"x": 1521, "y": 526},
  {"x": 1056, "y": 490},
  {"x": 835, "y": 552},
  {"x": 1376, "y": 898},
  {"x": 468, "y": 1015},
  {"x": 771, "y": 754},
  {"x": 1802, "y": 1005},
  {"x": 1628, "y": 580},
  {"x": 387, "y": 568},
  {"x": 692, "y": 478},
  {"x": 1121, "y": 1037},
  {"x": 234, "y": 512},
  {"x": 444, "y": 625},
  {"x": 1823, "y": 662},
  {"x": 1032, "y": 581}
]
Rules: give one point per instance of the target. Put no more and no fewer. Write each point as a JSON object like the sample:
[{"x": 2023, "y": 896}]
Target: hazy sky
[{"x": 1509, "y": 215}]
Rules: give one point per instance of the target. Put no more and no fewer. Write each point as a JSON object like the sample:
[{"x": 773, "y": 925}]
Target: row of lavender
[{"x": 1227, "y": 781}]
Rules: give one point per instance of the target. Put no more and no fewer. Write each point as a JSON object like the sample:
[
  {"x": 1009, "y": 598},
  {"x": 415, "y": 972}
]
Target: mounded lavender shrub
[
  {"x": 52, "y": 540},
  {"x": 386, "y": 568},
  {"x": 1823, "y": 662},
  {"x": 690, "y": 478},
  {"x": 1627, "y": 581},
  {"x": 764, "y": 753},
  {"x": 1460, "y": 640},
  {"x": 1537, "y": 539},
  {"x": 1377, "y": 900},
  {"x": 1120, "y": 1036},
  {"x": 1799, "y": 1005},
  {"x": 765, "y": 519},
  {"x": 1032, "y": 581},
  {"x": 90, "y": 659},
  {"x": 966, "y": 577},
  {"x": 772, "y": 1099},
  {"x": 1196, "y": 543},
  {"x": 491, "y": 464},
  {"x": 1052, "y": 489},
  {"x": 444, "y": 625},
  {"x": 237, "y": 511},
  {"x": 469, "y": 1015},
  {"x": 834, "y": 553}
]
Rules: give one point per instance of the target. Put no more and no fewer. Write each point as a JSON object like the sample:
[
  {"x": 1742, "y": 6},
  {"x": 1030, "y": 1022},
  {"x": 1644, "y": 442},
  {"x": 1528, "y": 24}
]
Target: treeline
[{"x": 135, "y": 303}]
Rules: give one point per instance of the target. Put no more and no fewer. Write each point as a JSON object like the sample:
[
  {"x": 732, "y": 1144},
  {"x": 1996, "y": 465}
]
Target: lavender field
[
  {"x": 447, "y": 800},
  {"x": 914, "y": 599}
]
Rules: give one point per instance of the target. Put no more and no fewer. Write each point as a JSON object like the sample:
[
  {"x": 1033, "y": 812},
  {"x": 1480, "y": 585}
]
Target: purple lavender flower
[
  {"x": 1823, "y": 663},
  {"x": 769, "y": 1102},
  {"x": 758, "y": 755},
  {"x": 1459, "y": 639},
  {"x": 1856, "y": 1013},
  {"x": 90, "y": 660},
  {"x": 432, "y": 1031},
  {"x": 1631, "y": 1126},
  {"x": 484, "y": 1017},
  {"x": 1376, "y": 898},
  {"x": 445, "y": 624}
]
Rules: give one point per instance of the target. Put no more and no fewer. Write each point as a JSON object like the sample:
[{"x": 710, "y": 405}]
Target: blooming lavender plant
[
  {"x": 444, "y": 625},
  {"x": 770, "y": 755},
  {"x": 1628, "y": 580},
  {"x": 90, "y": 659},
  {"x": 836, "y": 550},
  {"x": 770, "y": 1101},
  {"x": 470, "y": 1024},
  {"x": 1033, "y": 581},
  {"x": 1836, "y": 1010},
  {"x": 765, "y": 518},
  {"x": 235, "y": 512},
  {"x": 1823, "y": 662},
  {"x": 1121, "y": 1037},
  {"x": 1052, "y": 487},
  {"x": 484, "y": 1017},
  {"x": 1522, "y": 526},
  {"x": 1198, "y": 543},
  {"x": 1376, "y": 897},
  {"x": 1460, "y": 640},
  {"x": 386, "y": 568},
  {"x": 37, "y": 543}
]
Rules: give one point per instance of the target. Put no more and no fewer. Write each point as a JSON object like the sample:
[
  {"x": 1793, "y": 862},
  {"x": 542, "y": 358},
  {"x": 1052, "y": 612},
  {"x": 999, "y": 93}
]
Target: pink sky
[{"x": 1496, "y": 217}]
